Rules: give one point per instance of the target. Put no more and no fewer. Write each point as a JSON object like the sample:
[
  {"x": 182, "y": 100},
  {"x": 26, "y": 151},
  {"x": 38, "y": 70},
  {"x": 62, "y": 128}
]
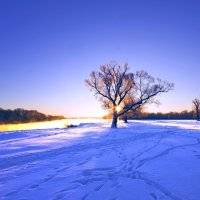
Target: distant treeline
[
  {"x": 20, "y": 115},
  {"x": 170, "y": 115}
]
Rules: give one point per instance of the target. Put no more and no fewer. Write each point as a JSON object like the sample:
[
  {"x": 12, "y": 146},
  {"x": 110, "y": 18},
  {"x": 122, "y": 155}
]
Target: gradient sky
[{"x": 48, "y": 48}]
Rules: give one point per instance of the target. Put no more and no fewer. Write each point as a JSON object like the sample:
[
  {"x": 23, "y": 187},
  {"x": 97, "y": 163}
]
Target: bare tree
[
  {"x": 113, "y": 84},
  {"x": 196, "y": 103},
  {"x": 133, "y": 111}
]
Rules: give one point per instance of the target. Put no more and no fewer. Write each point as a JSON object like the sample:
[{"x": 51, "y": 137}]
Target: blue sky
[{"x": 48, "y": 48}]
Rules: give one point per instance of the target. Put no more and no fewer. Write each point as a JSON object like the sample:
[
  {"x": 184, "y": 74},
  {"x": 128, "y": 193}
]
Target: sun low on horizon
[
  {"x": 99, "y": 100},
  {"x": 48, "y": 50}
]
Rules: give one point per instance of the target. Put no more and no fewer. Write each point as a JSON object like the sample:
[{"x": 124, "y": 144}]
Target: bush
[{"x": 70, "y": 126}]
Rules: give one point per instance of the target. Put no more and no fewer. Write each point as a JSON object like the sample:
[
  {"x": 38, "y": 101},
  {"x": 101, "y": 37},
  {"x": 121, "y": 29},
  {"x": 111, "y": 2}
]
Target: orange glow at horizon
[{"x": 118, "y": 108}]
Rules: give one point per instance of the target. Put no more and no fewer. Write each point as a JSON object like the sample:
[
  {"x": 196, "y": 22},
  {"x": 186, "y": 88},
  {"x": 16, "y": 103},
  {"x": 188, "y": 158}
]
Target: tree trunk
[
  {"x": 125, "y": 119},
  {"x": 197, "y": 113},
  {"x": 114, "y": 120}
]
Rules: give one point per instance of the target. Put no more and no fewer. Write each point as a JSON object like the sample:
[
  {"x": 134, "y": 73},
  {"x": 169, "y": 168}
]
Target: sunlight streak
[{"x": 118, "y": 108}]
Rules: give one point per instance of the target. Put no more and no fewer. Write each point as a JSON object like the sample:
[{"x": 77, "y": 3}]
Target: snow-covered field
[{"x": 141, "y": 160}]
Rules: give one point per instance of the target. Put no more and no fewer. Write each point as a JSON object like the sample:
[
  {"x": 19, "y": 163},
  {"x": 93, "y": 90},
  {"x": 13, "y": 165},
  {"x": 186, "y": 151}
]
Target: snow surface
[{"x": 141, "y": 160}]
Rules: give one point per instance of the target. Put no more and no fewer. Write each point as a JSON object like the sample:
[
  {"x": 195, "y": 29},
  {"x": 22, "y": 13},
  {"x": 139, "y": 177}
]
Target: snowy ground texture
[{"x": 143, "y": 160}]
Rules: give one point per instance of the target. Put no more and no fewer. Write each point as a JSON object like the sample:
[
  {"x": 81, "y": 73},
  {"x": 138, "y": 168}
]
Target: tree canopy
[{"x": 120, "y": 91}]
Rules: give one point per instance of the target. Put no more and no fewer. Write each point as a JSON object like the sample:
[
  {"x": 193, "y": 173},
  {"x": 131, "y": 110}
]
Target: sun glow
[
  {"x": 118, "y": 108},
  {"x": 47, "y": 124}
]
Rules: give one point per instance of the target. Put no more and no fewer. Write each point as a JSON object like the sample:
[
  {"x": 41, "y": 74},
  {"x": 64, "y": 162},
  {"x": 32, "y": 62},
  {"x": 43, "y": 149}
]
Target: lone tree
[
  {"x": 113, "y": 85},
  {"x": 196, "y": 103}
]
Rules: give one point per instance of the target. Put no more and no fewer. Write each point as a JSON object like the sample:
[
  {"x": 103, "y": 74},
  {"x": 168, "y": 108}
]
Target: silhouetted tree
[
  {"x": 113, "y": 83},
  {"x": 133, "y": 112},
  {"x": 196, "y": 103}
]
